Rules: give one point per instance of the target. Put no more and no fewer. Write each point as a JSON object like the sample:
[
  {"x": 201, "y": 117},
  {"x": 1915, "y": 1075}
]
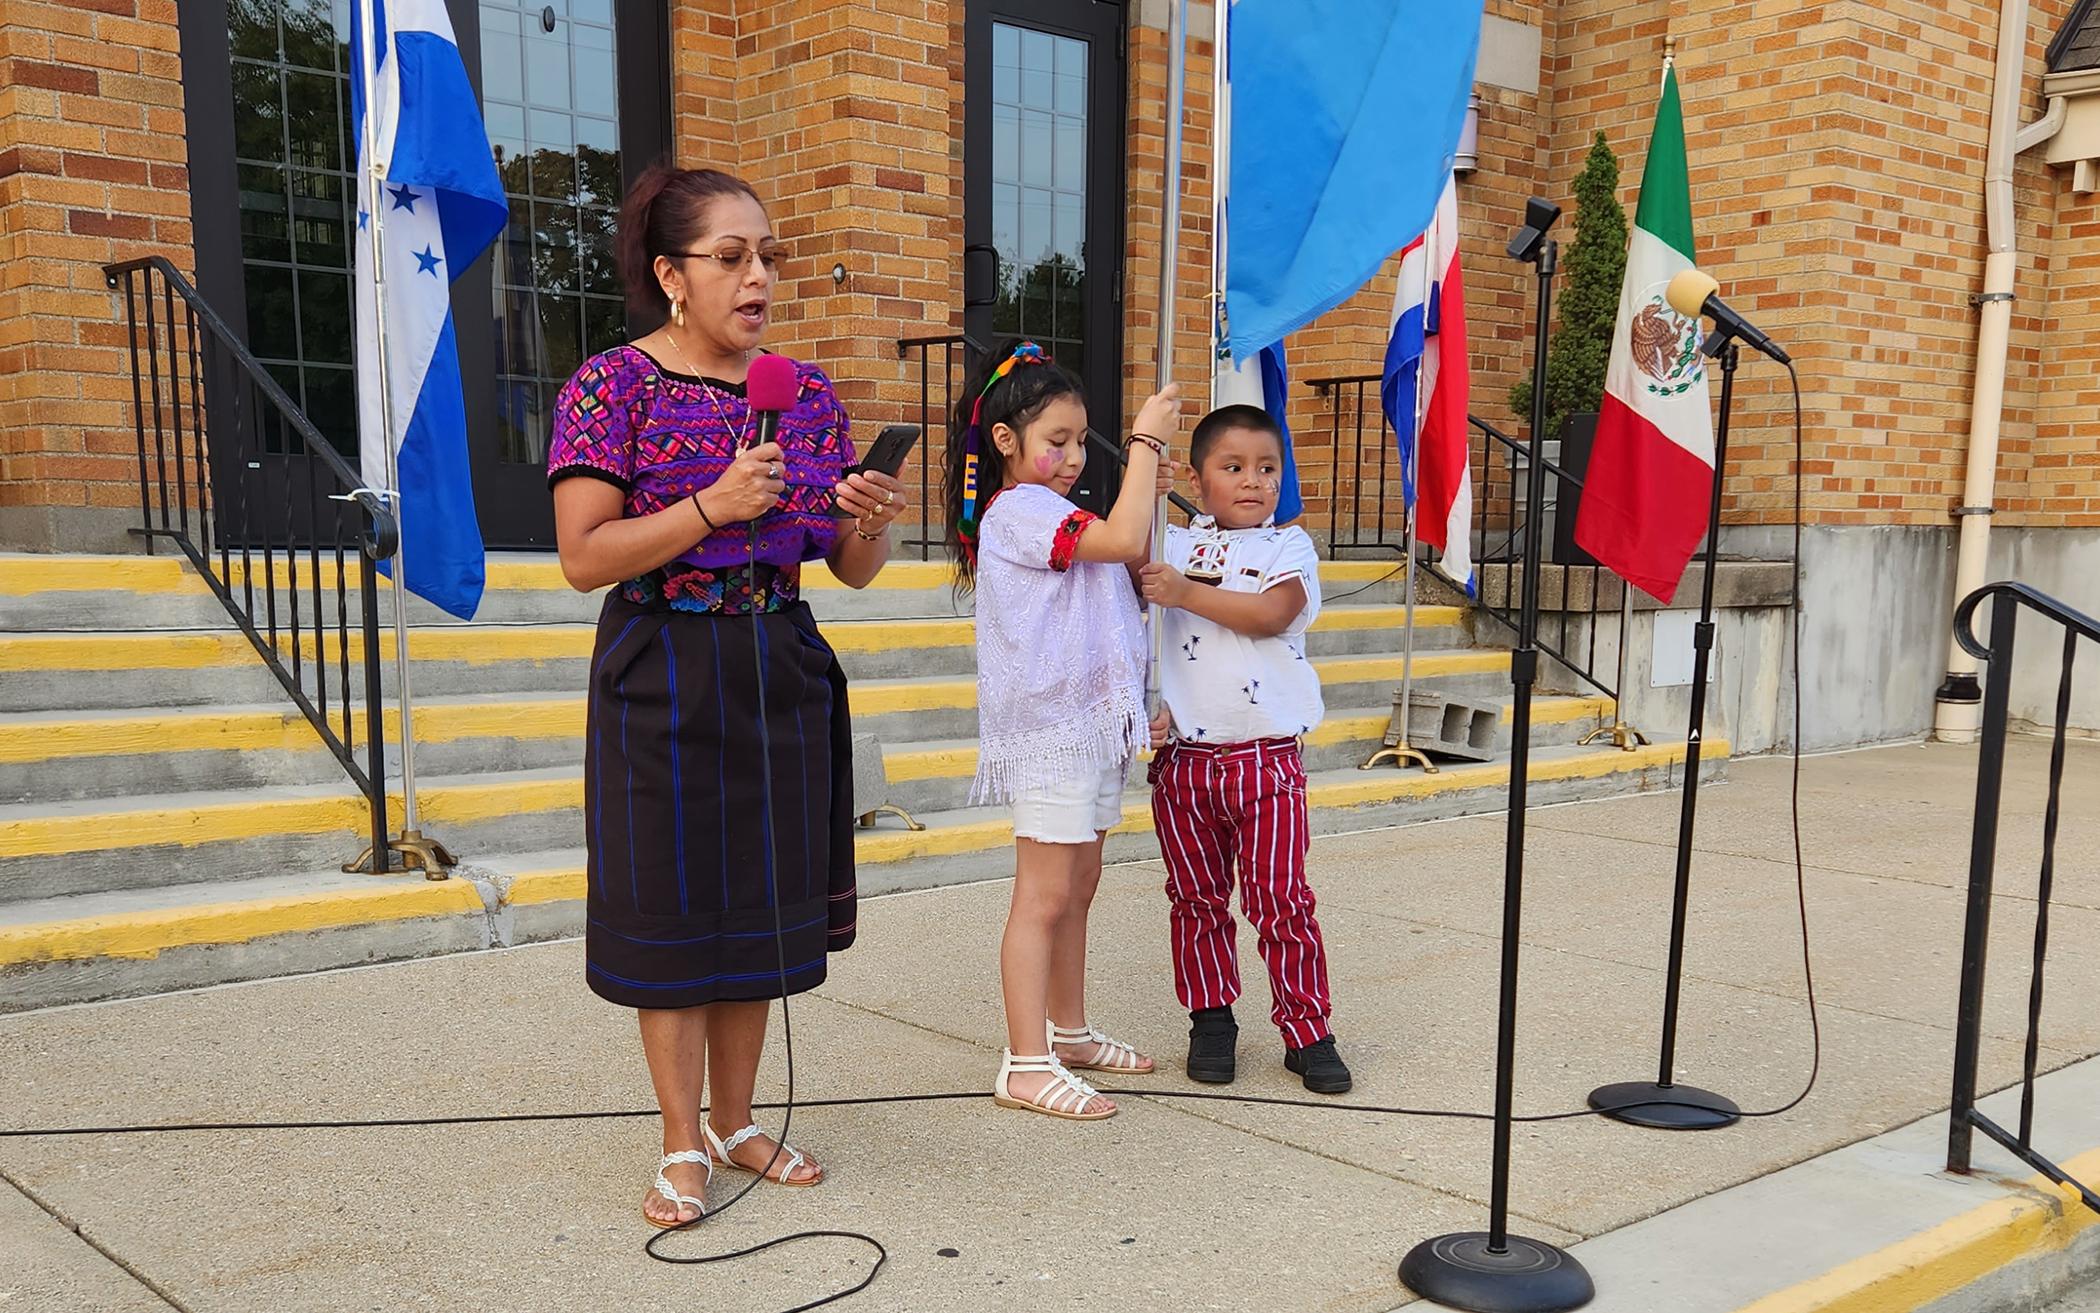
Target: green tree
[{"x": 1589, "y": 302}]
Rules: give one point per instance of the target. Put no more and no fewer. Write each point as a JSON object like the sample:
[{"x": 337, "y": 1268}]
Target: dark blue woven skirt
[{"x": 683, "y": 878}]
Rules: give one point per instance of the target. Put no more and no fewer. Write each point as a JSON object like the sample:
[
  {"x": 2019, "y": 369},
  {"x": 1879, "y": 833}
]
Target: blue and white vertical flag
[
  {"x": 1348, "y": 120},
  {"x": 440, "y": 206},
  {"x": 1259, "y": 380}
]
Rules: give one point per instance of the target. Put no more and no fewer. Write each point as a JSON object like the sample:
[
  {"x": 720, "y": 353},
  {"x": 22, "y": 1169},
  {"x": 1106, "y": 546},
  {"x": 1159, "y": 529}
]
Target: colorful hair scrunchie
[{"x": 1027, "y": 353}]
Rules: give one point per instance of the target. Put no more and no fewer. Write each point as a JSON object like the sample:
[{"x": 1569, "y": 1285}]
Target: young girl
[{"x": 1060, "y": 691}]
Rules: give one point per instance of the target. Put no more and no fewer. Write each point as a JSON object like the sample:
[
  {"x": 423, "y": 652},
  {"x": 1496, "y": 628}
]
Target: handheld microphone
[
  {"x": 771, "y": 388},
  {"x": 1691, "y": 294}
]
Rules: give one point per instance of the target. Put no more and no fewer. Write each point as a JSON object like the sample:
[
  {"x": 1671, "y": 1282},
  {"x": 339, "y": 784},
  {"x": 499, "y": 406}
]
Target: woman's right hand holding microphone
[{"x": 751, "y": 486}]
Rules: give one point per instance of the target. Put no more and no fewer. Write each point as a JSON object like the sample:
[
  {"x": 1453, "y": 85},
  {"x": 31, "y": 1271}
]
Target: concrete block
[{"x": 1450, "y": 725}]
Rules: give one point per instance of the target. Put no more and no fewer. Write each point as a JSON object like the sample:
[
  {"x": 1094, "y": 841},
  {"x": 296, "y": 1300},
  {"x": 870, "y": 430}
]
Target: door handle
[{"x": 980, "y": 289}]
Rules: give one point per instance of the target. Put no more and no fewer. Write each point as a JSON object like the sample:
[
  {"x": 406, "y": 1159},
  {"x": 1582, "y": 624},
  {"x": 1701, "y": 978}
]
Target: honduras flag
[
  {"x": 1348, "y": 114},
  {"x": 1260, "y": 382},
  {"x": 440, "y": 206}
]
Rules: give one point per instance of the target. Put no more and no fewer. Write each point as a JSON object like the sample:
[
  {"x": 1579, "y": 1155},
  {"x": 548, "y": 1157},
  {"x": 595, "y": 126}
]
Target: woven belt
[{"x": 731, "y": 590}]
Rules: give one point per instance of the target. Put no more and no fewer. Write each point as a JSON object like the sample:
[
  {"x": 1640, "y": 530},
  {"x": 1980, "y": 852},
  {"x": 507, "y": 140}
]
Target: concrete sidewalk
[{"x": 1171, "y": 1205}]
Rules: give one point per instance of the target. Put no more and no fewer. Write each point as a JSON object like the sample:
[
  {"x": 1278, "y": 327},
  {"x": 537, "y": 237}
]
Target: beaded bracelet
[{"x": 1158, "y": 448}]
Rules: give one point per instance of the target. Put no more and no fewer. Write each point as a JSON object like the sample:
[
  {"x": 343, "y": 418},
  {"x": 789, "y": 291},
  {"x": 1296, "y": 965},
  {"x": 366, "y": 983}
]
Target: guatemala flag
[
  {"x": 1425, "y": 389},
  {"x": 1347, "y": 119},
  {"x": 1258, "y": 382},
  {"x": 440, "y": 206}
]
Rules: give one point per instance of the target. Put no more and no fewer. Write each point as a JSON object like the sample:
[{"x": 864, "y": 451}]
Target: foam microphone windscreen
[
  {"x": 1688, "y": 291},
  {"x": 771, "y": 384}
]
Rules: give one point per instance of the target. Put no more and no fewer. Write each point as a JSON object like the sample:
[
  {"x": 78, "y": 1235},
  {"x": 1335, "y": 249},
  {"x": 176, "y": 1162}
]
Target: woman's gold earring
[{"x": 678, "y": 312}]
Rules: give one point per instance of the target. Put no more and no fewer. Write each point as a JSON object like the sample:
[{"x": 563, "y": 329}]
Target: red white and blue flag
[{"x": 1425, "y": 392}]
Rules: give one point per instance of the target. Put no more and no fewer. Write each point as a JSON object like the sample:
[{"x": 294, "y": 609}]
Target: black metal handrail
[
  {"x": 1574, "y": 590},
  {"x": 236, "y": 477},
  {"x": 2007, "y": 601},
  {"x": 1498, "y": 523},
  {"x": 951, "y": 346}
]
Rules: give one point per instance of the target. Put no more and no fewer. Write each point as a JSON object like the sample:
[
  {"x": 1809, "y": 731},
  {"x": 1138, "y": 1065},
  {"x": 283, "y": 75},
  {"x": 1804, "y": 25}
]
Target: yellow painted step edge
[
  {"x": 563, "y": 717},
  {"x": 149, "y": 933},
  {"x": 145, "y": 934},
  {"x": 1920, "y": 1270}
]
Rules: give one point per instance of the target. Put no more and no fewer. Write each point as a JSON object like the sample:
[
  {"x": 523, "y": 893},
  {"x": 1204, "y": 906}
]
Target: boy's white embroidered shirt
[
  {"x": 1223, "y": 686},
  {"x": 1060, "y": 652}
]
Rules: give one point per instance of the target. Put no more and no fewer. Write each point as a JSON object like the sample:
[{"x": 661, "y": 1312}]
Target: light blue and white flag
[
  {"x": 441, "y": 205},
  {"x": 1346, "y": 116},
  {"x": 1260, "y": 381}
]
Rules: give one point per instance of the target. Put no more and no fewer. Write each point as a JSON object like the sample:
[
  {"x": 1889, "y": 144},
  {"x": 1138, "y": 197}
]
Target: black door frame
[
  {"x": 1102, "y": 24},
  {"x": 512, "y": 501}
]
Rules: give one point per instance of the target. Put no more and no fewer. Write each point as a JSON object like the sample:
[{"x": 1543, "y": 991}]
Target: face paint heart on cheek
[{"x": 1046, "y": 463}]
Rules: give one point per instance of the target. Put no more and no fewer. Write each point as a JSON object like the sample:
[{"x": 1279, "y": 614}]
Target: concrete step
[
  {"x": 119, "y": 752},
  {"x": 58, "y": 947},
  {"x": 139, "y": 593},
  {"x": 96, "y": 845}
]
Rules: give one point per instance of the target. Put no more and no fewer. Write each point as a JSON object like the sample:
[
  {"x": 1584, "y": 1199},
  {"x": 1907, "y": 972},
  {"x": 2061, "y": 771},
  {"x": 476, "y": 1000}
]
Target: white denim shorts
[{"x": 1074, "y": 810}]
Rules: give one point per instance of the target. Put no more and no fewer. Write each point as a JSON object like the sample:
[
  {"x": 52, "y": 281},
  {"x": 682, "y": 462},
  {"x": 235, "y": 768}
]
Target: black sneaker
[
  {"x": 1323, "y": 1068},
  {"x": 1214, "y": 1041}
]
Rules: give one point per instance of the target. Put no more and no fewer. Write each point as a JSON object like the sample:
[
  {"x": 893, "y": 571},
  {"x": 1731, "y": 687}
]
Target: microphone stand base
[
  {"x": 1666, "y": 1107},
  {"x": 1528, "y": 1276}
]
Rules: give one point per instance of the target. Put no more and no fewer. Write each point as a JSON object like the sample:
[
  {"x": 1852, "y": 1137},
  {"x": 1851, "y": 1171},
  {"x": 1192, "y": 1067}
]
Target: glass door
[
  {"x": 1043, "y": 192},
  {"x": 575, "y": 96}
]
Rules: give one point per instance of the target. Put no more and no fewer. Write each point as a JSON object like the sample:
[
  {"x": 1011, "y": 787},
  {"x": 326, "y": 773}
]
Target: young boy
[{"x": 1230, "y": 789}]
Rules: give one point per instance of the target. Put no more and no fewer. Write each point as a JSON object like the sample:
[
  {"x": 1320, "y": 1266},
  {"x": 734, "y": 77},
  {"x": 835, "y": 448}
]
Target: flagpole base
[
  {"x": 1398, "y": 754},
  {"x": 1622, "y": 735},
  {"x": 415, "y": 851},
  {"x": 1528, "y": 1276},
  {"x": 1665, "y": 1107}
]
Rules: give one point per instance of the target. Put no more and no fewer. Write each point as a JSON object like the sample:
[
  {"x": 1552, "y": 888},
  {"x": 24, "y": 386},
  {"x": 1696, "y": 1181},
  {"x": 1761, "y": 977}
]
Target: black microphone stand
[
  {"x": 1494, "y": 1271},
  {"x": 1662, "y": 1103}
]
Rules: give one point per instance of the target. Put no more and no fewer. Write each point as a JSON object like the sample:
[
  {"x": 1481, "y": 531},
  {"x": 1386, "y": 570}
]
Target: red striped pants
[{"x": 1241, "y": 804}]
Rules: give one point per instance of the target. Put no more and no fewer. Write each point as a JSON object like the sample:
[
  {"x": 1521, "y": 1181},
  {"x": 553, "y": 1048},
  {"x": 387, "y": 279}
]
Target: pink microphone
[{"x": 771, "y": 387}]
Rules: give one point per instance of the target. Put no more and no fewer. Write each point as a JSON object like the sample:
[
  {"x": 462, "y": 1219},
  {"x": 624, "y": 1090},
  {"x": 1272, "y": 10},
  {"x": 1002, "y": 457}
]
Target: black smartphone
[{"x": 892, "y": 445}]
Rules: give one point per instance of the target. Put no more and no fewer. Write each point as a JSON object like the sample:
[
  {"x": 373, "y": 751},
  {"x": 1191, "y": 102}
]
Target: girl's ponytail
[{"x": 1009, "y": 386}]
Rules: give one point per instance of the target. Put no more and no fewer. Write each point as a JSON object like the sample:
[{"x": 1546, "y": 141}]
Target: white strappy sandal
[
  {"x": 1112, "y": 1054},
  {"x": 789, "y": 1158},
  {"x": 1064, "y": 1096},
  {"x": 663, "y": 1187}
]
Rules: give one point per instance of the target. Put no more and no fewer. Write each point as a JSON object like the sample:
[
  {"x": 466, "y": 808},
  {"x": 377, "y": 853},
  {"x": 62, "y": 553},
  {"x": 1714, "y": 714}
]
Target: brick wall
[
  {"x": 2061, "y": 483},
  {"x": 92, "y": 169}
]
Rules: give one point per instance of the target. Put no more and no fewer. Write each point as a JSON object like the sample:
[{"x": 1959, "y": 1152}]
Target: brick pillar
[{"x": 93, "y": 168}]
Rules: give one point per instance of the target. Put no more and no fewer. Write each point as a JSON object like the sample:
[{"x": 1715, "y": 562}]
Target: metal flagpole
[
  {"x": 1219, "y": 162},
  {"x": 1170, "y": 234},
  {"x": 1621, "y": 734},
  {"x": 415, "y": 850},
  {"x": 1397, "y": 746}
]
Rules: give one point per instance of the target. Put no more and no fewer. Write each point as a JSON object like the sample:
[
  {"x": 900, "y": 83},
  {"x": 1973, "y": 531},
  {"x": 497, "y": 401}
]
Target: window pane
[
  {"x": 553, "y": 174},
  {"x": 592, "y": 11},
  {"x": 324, "y": 317},
  {"x": 601, "y": 271},
  {"x": 1037, "y": 55},
  {"x": 331, "y": 403},
  {"x": 561, "y": 334},
  {"x": 271, "y": 317},
  {"x": 517, "y": 331},
  {"x": 320, "y": 234},
  {"x": 1035, "y": 147},
  {"x": 311, "y": 120},
  {"x": 554, "y": 249},
  {"x": 547, "y": 73},
  {"x": 265, "y": 231},
  {"x": 598, "y": 172},
  {"x": 506, "y": 126},
  {"x": 309, "y": 34},
  {"x": 252, "y": 27},
  {"x": 1006, "y": 143},
  {"x": 605, "y": 324},
  {"x": 512, "y": 260},
  {"x": 594, "y": 75},
  {"x": 258, "y": 117},
  {"x": 1070, "y": 173},
  {"x": 502, "y": 66},
  {"x": 552, "y": 130}
]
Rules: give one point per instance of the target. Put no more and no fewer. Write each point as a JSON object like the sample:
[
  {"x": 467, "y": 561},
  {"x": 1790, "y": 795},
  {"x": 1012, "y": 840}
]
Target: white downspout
[{"x": 1960, "y": 709}]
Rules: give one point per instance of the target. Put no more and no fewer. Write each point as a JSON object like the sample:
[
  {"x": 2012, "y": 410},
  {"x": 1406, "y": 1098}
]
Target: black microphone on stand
[{"x": 1691, "y": 294}]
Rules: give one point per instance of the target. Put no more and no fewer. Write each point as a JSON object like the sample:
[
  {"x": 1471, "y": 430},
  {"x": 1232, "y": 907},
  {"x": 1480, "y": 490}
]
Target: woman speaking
[{"x": 658, "y": 491}]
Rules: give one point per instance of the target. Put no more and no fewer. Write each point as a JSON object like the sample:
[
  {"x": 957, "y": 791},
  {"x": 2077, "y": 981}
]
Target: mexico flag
[{"x": 1645, "y": 496}]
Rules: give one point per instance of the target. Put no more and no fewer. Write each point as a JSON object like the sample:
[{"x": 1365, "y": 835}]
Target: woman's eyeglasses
[{"x": 735, "y": 259}]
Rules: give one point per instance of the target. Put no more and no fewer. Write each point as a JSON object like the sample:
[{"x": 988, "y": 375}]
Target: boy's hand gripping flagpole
[
  {"x": 415, "y": 849},
  {"x": 1170, "y": 233}
]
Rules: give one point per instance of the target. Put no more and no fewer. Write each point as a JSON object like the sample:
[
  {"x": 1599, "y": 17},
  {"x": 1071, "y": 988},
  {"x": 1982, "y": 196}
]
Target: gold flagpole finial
[{"x": 1669, "y": 50}]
